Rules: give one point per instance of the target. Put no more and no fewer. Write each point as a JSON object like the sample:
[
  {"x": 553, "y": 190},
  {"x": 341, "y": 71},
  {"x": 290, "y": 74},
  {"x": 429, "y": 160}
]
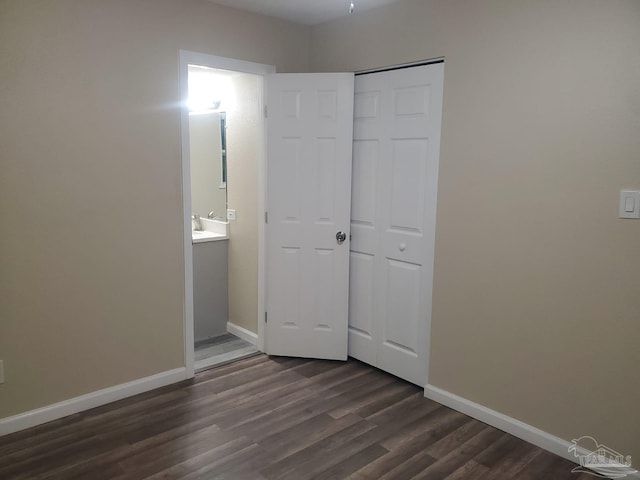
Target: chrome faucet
[{"x": 212, "y": 216}]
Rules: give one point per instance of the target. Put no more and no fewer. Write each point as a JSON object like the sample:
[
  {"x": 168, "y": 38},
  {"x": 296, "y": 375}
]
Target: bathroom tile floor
[{"x": 220, "y": 350}]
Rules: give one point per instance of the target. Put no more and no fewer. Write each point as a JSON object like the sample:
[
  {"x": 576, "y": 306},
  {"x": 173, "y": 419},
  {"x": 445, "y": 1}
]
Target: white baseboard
[
  {"x": 243, "y": 333},
  {"x": 58, "y": 410},
  {"x": 519, "y": 429}
]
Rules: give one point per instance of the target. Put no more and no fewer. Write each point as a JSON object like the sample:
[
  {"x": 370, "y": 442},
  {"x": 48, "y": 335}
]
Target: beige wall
[
  {"x": 536, "y": 308},
  {"x": 536, "y": 301},
  {"x": 91, "y": 260},
  {"x": 244, "y": 150},
  {"x": 205, "y": 161}
]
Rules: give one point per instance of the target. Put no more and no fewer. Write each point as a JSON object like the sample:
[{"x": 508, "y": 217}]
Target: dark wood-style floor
[{"x": 276, "y": 418}]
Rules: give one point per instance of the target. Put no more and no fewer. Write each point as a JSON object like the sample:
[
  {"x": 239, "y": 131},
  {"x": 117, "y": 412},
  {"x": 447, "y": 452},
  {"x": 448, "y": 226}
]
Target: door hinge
[
  {"x": 265, "y": 111},
  {"x": 266, "y": 217},
  {"x": 265, "y": 317}
]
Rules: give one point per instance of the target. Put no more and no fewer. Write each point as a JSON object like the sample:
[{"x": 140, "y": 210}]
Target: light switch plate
[
  {"x": 231, "y": 214},
  {"x": 629, "y": 204}
]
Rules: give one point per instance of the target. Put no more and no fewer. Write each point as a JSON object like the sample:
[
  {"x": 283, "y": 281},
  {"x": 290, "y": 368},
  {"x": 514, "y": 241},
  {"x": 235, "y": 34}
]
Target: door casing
[{"x": 187, "y": 58}]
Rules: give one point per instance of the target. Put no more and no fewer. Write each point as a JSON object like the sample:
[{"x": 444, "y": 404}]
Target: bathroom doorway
[{"x": 222, "y": 151}]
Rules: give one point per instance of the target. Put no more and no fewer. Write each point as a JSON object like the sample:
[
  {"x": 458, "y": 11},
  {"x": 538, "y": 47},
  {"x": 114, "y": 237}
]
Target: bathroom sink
[{"x": 198, "y": 236}]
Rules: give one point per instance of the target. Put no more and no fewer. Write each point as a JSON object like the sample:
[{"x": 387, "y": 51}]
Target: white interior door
[
  {"x": 395, "y": 173},
  {"x": 309, "y": 149}
]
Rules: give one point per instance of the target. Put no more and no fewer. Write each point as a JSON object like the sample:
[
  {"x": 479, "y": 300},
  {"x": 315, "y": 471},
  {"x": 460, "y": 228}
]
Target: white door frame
[{"x": 194, "y": 58}]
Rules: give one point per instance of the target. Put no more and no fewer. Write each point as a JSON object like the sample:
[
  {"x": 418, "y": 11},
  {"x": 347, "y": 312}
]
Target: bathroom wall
[
  {"x": 244, "y": 151},
  {"x": 91, "y": 252},
  {"x": 206, "y": 165}
]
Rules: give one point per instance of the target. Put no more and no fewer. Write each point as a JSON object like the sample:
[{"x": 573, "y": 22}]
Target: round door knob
[{"x": 402, "y": 247}]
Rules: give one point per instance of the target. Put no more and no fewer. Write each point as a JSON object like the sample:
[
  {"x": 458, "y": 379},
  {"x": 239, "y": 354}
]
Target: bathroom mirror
[
  {"x": 208, "y": 158},
  {"x": 211, "y": 100}
]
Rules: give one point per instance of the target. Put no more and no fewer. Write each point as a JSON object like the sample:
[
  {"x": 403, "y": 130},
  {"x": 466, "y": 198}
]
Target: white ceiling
[{"x": 307, "y": 12}]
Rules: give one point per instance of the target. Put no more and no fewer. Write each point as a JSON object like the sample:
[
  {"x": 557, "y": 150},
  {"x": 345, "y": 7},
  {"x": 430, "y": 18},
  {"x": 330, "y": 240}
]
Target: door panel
[
  {"x": 361, "y": 306},
  {"x": 363, "y": 194},
  {"x": 396, "y": 150},
  {"x": 309, "y": 134},
  {"x": 400, "y": 346},
  {"x": 408, "y": 165}
]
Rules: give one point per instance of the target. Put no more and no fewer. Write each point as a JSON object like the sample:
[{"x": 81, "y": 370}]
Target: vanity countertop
[{"x": 206, "y": 236}]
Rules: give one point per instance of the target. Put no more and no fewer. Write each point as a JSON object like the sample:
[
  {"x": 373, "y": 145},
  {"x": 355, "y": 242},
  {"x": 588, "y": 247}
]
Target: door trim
[{"x": 187, "y": 57}]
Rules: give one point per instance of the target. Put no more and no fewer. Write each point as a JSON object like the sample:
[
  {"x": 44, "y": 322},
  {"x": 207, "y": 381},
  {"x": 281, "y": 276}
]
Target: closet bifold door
[{"x": 397, "y": 121}]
